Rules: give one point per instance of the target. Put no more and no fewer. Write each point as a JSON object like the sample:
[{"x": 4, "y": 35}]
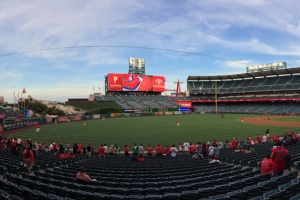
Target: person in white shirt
[
  {"x": 141, "y": 149},
  {"x": 173, "y": 151},
  {"x": 19, "y": 141},
  {"x": 106, "y": 148},
  {"x": 50, "y": 147},
  {"x": 264, "y": 139},
  {"x": 186, "y": 146}
]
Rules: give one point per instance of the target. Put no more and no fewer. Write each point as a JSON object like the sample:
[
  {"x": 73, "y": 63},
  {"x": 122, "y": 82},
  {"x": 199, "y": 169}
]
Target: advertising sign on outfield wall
[
  {"x": 75, "y": 118},
  {"x": 177, "y": 112},
  {"x": 116, "y": 114},
  {"x": 96, "y": 116},
  {"x": 158, "y": 113},
  {"x": 62, "y": 119},
  {"x": 168, "y": 113},
  {"x": 126, "y": 114}
]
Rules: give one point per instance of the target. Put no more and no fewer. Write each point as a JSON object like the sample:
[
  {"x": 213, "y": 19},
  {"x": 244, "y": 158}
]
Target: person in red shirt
[
  {"x": 54, "y": 146},
  {"x": 3, "y": 143},
  {"x": 79, "y": 148},
  {"x": 168, "y": 150},
  {"x": 72, "y": 156},
  {"x": 28, "y": 159},
  {"x": 141, "y": 159},
  {"x": 101, "y": 151},
  {"x": 266, "y": 165},
  {"x": 234, "y": 143},
  {"x": 37, "y": 128},
  {"x": 126, "y": 150},
  {"x": 163, "y": 151},
  {"x": 204, "y": 149},
  {"x": 158, "y": 150},
  {"x": 191, "y": 148},
  {"x": 278, "y": 157},
  {"x": 149, "y": 150},
  {"x": 83, "y": 176},
  {"x": 259, "y": 139},
  {"x": 63, "y": 156}
]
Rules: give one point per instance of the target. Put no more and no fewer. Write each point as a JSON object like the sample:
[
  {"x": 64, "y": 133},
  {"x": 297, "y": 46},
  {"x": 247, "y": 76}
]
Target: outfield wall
[{"x": 24, "y": 122}]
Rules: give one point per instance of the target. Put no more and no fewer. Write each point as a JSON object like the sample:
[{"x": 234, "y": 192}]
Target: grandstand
[
  {"x": 160, "y": 177},
  {"x": 275, "y": 92}
]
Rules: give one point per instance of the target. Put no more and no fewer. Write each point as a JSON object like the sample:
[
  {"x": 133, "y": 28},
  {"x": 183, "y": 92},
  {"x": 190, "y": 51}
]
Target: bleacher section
[
  {"x": 160, "y": 177},
  {"x": 261, "y": 108},
  {"x": 129, "y": 102},
  {"x": 280, "y": 83}
]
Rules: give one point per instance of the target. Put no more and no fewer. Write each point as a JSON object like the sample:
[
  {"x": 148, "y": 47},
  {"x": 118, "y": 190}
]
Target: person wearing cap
[
  {"x": 83, "y": 176},
  {"x": 278, "y": 156},
  {"x": 266, "y": 165},
  {"x": 117, "y": 150}
]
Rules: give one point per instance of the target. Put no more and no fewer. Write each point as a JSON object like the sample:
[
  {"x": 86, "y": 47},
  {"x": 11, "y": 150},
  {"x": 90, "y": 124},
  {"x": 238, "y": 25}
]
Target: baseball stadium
[{"x": 208, "y": 142}]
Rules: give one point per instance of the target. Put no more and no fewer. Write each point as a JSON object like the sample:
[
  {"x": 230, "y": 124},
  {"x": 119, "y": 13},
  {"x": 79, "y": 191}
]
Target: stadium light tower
[
  {"x": 136, "y": 66},
  {"x": 178, "y": 89}
]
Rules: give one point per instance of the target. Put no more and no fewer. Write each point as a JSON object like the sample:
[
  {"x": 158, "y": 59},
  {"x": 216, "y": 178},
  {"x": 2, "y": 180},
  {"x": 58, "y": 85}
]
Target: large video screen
[{"x": 136, "y": 82}]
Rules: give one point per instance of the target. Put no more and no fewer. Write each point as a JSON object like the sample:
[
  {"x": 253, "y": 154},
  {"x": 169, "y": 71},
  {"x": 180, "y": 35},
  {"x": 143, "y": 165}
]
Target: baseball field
[{"x": 163, "y": 129}]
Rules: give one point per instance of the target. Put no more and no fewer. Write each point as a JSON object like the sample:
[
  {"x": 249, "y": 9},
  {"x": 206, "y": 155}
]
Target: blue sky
[{"x": 252, "y": 32}]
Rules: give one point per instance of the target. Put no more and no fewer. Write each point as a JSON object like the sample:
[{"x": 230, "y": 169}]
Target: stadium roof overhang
[{"x": 287, "y": 71}]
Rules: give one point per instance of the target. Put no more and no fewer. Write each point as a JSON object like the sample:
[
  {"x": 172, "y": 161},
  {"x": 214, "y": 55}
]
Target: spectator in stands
[
  {"x": 248, "y": 150},
  {"x": 264, "y": 139},
  {"x": 259, "y": 139},
  {"x": 61, "y": 148},
  {"x": 266, "y": 165},
  {"x": 288, "y": 160},
  {"x": 14, "y": 149},
  {"x": 141, "y": 149},
  {"x": 106, "y": 148},
  {"x": 168, "y": 152},
  {"x": 191, "y": 149},
  {"x": 135, "y": 149},
  {"x": 126, "y": 150},
  {"x": 204, "y": 149},
  {"x": 278, "y": 157},
  {"x": 141, "y": 158},
  {"x": 186, "y": 146},
  {"x": 101, "y": 151},
  {"x": 67, "y": 146},
  {"x": 211, "y": 152},
  {"x": 54, "y": 146},
  {"x": 111, "y": 150},
  {"x": 79, "y": 148},
  {"x": 19, "y": 142},
  {"x": 117, "y": 150},
  {"x": 198, "y": 147},
  {"x": 234, "y": 143},
  {"x": 83, "y": 149},
  {"x": 89, "y": 150},
  {"x": 216, "y": 150},
  {"x": 28, "y": 159},
  {"x": 149, "y": 150},
  {"x": 72, "y": 156},
  {"x": 179, "y": 148},
  {"x": 226, "y": 145},
  {"x": 3, "y": 143},
  {"x": 83, "y": 176},
  {"x": 158, "y": 150},
  {"x": 173, "y": 151},
  {"x": 220, "y": 145},
  {"x": 75, "y": 147}
]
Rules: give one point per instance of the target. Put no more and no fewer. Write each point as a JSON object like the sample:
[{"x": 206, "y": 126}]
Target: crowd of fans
[{"x": 274, "y": 163}]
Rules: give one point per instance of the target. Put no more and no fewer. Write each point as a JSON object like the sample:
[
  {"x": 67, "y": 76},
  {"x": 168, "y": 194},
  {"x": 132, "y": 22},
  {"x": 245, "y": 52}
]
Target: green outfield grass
[
  {"x": 150, "y": 130},
  {"x": 289, "y": 119},
  {"x": 93, "y": 105}
]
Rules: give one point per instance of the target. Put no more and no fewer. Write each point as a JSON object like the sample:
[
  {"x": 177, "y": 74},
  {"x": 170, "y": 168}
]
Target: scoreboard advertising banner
[{"x": 136, "y": 82}]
